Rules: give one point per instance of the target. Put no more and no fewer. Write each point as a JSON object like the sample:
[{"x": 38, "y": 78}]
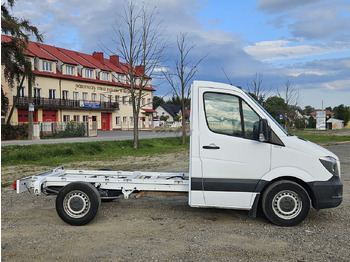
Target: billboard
[{"x": 321, "y": 120}]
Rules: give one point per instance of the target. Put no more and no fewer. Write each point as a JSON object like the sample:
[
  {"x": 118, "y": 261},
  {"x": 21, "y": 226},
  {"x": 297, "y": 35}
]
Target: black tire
[
  {"x": 285, "y": 203},
  {"x": 78, "y": 203}
]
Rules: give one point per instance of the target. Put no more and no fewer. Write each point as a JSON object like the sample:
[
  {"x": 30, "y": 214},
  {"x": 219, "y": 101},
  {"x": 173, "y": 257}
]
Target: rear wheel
[
  {"x": 285, "y": 203},
  {"x": 78, "y": 203}
]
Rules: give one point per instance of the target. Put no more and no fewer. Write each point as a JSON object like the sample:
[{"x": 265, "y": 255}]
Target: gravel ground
[{"x": 165, "y": 228}]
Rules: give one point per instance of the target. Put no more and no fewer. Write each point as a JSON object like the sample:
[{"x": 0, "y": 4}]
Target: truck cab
[{"x": 241, "y": 158}]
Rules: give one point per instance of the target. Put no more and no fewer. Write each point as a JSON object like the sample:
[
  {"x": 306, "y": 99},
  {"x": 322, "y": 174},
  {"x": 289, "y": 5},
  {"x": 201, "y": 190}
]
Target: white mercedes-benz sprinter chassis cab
[{"x": 240, "y": 158}]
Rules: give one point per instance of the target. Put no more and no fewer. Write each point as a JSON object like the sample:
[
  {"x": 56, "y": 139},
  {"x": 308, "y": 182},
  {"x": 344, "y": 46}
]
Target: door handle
[{"x": 211, "y": 146}]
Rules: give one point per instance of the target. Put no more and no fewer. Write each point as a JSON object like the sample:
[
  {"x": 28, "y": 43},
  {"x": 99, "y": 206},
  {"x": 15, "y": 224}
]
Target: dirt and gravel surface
[{"x": 165, "y": 228}]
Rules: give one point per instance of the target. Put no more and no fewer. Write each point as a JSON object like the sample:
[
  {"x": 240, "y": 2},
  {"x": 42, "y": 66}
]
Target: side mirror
[{"x": 264, "y": 131}]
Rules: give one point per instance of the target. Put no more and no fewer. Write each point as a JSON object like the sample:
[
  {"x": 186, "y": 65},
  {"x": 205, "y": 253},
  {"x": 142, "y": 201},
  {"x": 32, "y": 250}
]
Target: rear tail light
[{"x": 15, "y": 185}]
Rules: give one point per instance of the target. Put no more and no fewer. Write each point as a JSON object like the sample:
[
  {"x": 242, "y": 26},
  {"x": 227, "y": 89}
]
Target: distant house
[
  {"x": 329, "y": 114},
  {"x": 333, "y": 123},
  {"x": 297, "y": 112},
  {"x": 169, "y": 111}
]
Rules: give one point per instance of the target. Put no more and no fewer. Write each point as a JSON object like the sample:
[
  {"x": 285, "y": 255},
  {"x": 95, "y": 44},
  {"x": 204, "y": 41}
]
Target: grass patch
[
  {"x": 59, "y": 154},
  {"x": 322, "y": 136}
]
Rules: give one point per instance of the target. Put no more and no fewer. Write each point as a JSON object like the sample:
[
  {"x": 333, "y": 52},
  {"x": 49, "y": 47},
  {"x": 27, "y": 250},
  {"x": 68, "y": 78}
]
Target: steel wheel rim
[
  {"x": 76, "y": 204},
  {"x": 287, "y": 204}
]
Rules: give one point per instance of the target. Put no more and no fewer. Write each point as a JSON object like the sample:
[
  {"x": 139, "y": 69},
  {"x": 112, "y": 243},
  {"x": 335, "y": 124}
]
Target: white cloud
[
  {"x": 322, "y": 20},
  {"x": 304, "y": 71},
  {"x": 282, "y": 50},
  {"x": 343, "y": 84}
]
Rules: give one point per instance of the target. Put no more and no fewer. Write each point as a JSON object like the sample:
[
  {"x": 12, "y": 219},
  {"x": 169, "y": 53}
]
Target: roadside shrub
[
  {"x": 63, "y": 130},
  {"x": 10, "y": 132},
  {"x": 299, "y": 124}
]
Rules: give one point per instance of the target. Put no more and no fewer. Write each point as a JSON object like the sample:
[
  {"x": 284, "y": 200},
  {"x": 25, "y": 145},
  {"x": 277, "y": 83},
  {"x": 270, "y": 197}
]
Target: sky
[{"x": 304, "y": 42}]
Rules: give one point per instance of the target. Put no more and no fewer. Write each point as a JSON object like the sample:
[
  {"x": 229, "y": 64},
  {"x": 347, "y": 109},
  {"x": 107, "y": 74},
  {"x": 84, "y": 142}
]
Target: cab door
[{"x": 232, "y": 158}]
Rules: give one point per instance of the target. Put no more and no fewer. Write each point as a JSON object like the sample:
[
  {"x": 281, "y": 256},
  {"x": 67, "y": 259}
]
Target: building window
[
  {"x": 102, "y": 98},
  {"x": 47, "y": 66},
  {"x": 88, "y": 73},
  {"x": 93, "y": 97},
  {"x": 130, "y": 100},
  {"x": 149, "y": 101},
  {"x": 37, "y": 92},
  {"x": 85, "y": 96},
  {"x": 69, "y": 70},
  {"x": 85, "y": 118},
  {"x": 75, "y": 96},
  {"x": 143, "y": 101},
  {"x": 66, "y": 118},
  {"x": 21, "y": 91},
  {"x": 64, "y": 94},
  {"x": 52, "y": 93},
  {"x": 131, "y": 120},
  {"x": 105, "y": 76},
  {"x": 125, "y": 120},
  {"x": 76, "y": 118},
  {"x": 117, "y": 120},
  {"x": 120, "y": 78},
  {"x": 124, "y": 100},
  {"x": 117, "y": 99}
]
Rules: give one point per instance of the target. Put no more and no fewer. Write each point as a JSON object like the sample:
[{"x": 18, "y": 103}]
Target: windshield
[{"x": 273, "y": 119}]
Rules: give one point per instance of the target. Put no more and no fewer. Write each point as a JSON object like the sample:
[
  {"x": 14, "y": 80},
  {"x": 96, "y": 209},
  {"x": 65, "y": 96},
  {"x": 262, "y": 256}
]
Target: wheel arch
[{"x": 263, "y": 185}]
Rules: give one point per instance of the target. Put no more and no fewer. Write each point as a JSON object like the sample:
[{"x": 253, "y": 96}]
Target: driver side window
[
  {"x": 223, "y": 113},
  {"x": 230, "y": 115}
]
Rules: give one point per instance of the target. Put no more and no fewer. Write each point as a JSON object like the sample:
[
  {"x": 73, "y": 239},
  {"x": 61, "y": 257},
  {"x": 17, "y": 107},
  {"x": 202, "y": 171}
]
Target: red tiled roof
[
  {"x": 115, "y": 68},
  {"x": 33, "y": 49},
  {"x": 6, "y": 39},
  {"x": 94, "y": 61},
  {"x": 38, "y": 52},
  {"x": 149, "y": 110},
  {"x": 328, "y": 113},
  {"x": 74, "y": 55},
  {"x": 58, "y": 54}
]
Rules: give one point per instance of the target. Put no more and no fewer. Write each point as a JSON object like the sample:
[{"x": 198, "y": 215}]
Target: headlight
[{"x": 330, "y": 163}]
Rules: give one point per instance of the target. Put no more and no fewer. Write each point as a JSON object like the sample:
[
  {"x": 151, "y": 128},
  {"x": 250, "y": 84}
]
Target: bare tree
[
  {"x": 257, "y": 89},
  {"x": 292, "y": 98},
  {"x": 141, "y": 44},
  {"x": 180, "y": 77}
]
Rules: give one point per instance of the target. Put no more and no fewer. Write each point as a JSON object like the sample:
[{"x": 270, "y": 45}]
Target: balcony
[{"x": 47, "y": 103}]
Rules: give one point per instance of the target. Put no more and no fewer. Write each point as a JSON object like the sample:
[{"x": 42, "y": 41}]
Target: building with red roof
[{"x": 74, "y": 86}]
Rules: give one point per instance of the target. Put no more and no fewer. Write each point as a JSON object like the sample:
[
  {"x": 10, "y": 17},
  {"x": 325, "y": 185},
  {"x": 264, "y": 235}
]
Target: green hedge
[{"x": 10, "y": 132}]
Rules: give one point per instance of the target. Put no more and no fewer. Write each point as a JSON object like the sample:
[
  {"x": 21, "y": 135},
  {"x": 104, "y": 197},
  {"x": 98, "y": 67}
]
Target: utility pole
[{"x": 30, "y": 113}]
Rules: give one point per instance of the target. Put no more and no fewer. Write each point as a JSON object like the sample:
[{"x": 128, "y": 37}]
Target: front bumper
[{"x": 327, "y": 194}]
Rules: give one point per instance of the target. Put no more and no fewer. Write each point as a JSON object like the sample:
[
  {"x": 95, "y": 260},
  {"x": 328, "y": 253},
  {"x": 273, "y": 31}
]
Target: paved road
[{"x": 102, "y": 136}]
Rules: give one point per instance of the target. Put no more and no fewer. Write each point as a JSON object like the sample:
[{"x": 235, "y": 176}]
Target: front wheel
[
  {"x": 78, "y": 203},
  {"x": 285, "y": 203}
]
